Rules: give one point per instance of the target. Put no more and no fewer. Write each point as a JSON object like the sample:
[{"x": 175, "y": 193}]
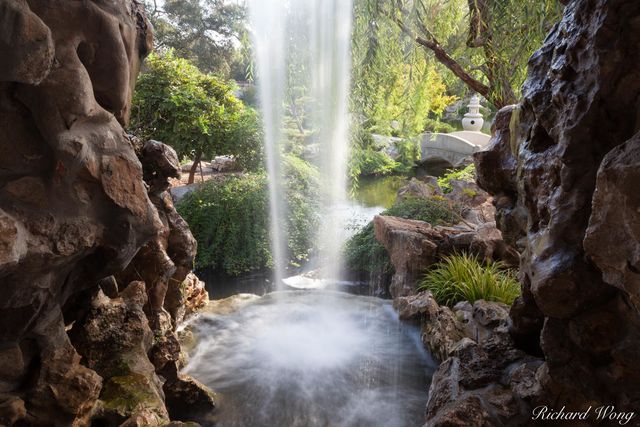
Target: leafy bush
[
  {"x": 437, "y": 126},
  {"x": 230, "y": 222},
  {"x": 370, "y": 161},
  {"x": 435, "y": 211},
  {"x": 467, "y": 174},
  {"x": 195, "y": 113},
  {"x": 230, "y": 218},
  {"x": 364, "y": 254},
  {"x": 302, "y": 183},
  {"x": 408, "y": 153},
  {"x": 463, "y": 277}
]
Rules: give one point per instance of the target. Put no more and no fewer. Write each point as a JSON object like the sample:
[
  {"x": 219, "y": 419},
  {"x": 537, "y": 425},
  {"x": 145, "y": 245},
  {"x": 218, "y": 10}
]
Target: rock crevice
[
  {"x": 561, "y": 167},
  {"x": 82, "y": 204}
]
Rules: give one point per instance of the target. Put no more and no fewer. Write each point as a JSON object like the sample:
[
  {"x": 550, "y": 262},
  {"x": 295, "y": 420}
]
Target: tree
[
  {"x": 394, "y": 81},
  {"x": 196, "y": 113},
  {"x": 500, "y": 37},
  {"x": 203, "y": 31}
]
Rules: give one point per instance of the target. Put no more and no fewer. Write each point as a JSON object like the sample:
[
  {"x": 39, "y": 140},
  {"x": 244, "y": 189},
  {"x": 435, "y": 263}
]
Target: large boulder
[
  {"x": 79, "y": 200},
  {"x": 423, "y": 188},
  {"x": 563, "y": 168},
  {"x": 483, "y": 379},
  {"x": 413, "y": 246},
  {"x": 114, "y": 339},
  {"x": 73, "y": 204}
]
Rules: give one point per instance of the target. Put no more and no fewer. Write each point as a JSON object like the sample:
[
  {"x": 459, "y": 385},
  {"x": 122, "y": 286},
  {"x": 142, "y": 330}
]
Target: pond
[
  {"x": 378, "y": 190},
  {"x": 313, "y": 358},
  {"x": 321, "y": 357}
]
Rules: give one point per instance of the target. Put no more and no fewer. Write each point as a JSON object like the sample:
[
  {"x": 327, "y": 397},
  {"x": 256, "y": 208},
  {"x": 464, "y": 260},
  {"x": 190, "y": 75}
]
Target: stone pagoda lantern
[{"x": 473, "y": 120}]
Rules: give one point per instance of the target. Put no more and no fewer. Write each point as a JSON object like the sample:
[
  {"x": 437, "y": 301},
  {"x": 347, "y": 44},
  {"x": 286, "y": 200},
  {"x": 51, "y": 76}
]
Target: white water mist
[
  {"x": 328, "y": 64},
  {"x": 330, "y": 36},
  {"x": 269, "y": 34}
]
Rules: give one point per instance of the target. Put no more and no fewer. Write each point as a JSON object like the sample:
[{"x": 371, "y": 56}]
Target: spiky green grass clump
[{"x": 462, "y": 277}]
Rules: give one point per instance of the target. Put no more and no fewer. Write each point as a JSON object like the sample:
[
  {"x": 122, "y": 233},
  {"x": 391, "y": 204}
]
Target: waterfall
[
  {"x": 328, "y": 63},
  {"x": 330, "y": 70},
  {"x": 269, "y": 51}
]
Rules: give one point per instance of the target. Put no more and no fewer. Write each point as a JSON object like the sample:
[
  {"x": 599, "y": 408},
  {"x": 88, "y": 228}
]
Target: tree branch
[{"x": 445, "y": 59}]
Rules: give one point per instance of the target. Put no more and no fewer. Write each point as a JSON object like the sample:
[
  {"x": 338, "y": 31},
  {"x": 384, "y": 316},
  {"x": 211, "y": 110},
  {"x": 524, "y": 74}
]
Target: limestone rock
[
  {"x": 423, "y": 188},
  {"x": 483, "y": 379},
  {"x": 114, "y": 340},
  {"x": 224, "y": 164},
  {"x": 79, "y": 200},
  {"x": 441, "y": 333},
  {"x": 412, "y": 246},
  {"x": 615, "y": 220},
  {"x": 563, "y": 168},
  {"x": 185, "y": 300},
  {"x": 73, "y": 205},
  {"x": 189, "y": 400},
  {"x": 466, "y": 193},
  {"x": 416, "y": 306}
]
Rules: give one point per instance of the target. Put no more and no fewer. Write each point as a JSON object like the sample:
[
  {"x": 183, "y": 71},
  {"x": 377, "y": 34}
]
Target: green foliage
[
  {"x": 302, "y": 188},
  {"x": 230, "y": 218},
  {"x": 436, "y": 126},
  {"x": 488, "y": 41},
  {"x": 195, "y": 113},
  {"x": 369, "y": 162},
  {"x": 408, "y": 153},
  {"x": 393, "y": 79},
  {"x": 463, "y": 277},
  {"x": 202, "y": 31},
  {"x": 363, "y": 253},
  {"x": 467, "y": 174},
  {"x": 369, "y": 158},
  {"x": 230, "y": 222},
  {"x": 433, "y": 211},
  {"x": 245, "y": 140}
]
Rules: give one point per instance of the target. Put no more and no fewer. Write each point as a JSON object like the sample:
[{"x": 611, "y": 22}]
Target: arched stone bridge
[{"x": 451, "y": 149}]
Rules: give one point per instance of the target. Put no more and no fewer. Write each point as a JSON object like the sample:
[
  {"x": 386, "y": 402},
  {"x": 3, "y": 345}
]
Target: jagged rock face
[
  {"x": 564, "y": 168},
  {"x": 482, "y": 380},
  {"x": 114, "y": 339},
  {"x": 75, "y": 210},
  {"x": 73, "y": 206},
  {"x": 413, "y": 246}
]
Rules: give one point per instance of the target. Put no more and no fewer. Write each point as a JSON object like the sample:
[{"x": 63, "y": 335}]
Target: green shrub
[
  {"x": 369, "y": 162},
  {"x": 408, "y": 154},
  {"x": 195, "y": 113},
  {"x": 230, "y": 218},
  {"x": 435, "y": 211},
  {"x": 364, "y": 254},
  {"x": 467, "y": 174},
  {"x": 436, "y": 126},
  {"x": 463, "y": 277}
]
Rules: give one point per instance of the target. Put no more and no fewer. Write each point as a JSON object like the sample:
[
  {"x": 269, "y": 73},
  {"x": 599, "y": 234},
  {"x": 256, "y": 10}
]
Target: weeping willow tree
[
  {"x": 483, "y": 43},
  {"x": 395, "y": 84}
]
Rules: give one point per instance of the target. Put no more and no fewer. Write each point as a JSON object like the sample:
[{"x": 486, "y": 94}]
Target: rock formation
[
  {"x": 564, "y": 167},
  {"x": 74, "y": 212},
  {"x": 483, "y": 379},
  {"x": 413, "y": 245}
]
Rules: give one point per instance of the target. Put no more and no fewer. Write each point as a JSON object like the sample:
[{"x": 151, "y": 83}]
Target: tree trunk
[
  {"x": 194, "y": 167},
  {"x": 494, "y": 93},
  {"x": 445, "y": 59},
  {"x": 430, "y": 42}
]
